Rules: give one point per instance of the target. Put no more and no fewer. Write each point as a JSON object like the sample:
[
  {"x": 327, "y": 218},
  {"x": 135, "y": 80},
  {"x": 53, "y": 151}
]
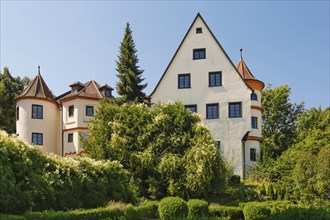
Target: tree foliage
[
  {"x": 279, "y": 121},
  {"x": 32, "y": 180},
  {"x": 10, "y": 88},
  {"x": 303, "y": 169},
  {"x": 166, "y": 148},
  {"x": 129, "y": 86}
]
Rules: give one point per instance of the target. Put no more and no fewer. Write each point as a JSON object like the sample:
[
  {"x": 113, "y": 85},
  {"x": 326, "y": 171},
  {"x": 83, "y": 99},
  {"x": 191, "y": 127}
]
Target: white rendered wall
[
  {"x": 49, "y": 126},
  {"x": 76, "y": 123},
  {"x": 229, "y": 131},
  {"x": 79, "y": 119},
  {"x": 248, "y": 145}
]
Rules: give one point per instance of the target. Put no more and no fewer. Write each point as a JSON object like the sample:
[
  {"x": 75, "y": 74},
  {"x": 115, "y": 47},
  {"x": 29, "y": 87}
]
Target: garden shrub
[
  {"x": 227, "y": 212},
  {"x": 197, "y": 208},
  {"x": 172, "y": 208},
  {"x": 256, "y": 211},
  {"x": 166, "y": 148},
  {"x": 11, "y": 217},
  {"x": 148, "y": 209},
  {"x": 235, "y": 179},
  {"x": 44, "y": 181}
]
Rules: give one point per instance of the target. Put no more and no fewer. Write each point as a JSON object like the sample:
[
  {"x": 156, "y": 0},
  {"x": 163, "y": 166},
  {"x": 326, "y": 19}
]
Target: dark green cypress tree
[{"x": 129, "y": 86}]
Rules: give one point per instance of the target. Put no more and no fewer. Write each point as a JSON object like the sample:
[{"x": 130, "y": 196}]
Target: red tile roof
[
  {"x": 244, "y": 70},
  {"x": 90, "y": 89}
]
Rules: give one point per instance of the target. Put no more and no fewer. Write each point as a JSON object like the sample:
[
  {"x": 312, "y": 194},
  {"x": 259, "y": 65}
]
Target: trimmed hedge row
[
  {"x": 148, "y": 210},
  {"x": 197, "y": 208},
  {"x": 172, "y": 208},
  {"x": 43, "y": 181},
  {"x": 117, "y": 211},
  {"x": 256, "y": 211},
  {"x": 227, "y": 212}
]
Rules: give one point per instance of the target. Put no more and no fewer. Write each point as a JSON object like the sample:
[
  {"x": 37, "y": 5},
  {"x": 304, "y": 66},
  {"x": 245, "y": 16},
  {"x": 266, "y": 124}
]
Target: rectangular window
[
  {"x": 107, "y": 93},
  {"x": 71, "y": 110},
  {"x": 254, "y": 122},
  {"x": 235, "y": 110},
  {"x": 253, "y": 154},
  {"x": 70, "y": 137},
  {"x": 199, "y": 30},
  {"x": 212, "y": 111},
  {"x": 192, "y": 108},
  {"x": 89, "y": 110},
  {"x": 37, "y": 111},
  {"x": 215, "y": 79},
  {"x": 37, "y": 138},
  {"x": 199, "y": 54},
  {"x": 17, "y": 113},
  {"x": 183, "y": 81}
]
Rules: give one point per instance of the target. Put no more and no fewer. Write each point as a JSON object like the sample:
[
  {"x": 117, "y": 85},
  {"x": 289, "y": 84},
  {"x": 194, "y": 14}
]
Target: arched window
[{"x": 254, "y": 97}]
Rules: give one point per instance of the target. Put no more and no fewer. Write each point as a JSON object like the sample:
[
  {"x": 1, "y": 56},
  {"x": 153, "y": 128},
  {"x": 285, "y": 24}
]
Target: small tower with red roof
[{"x": 254, "y": 137}]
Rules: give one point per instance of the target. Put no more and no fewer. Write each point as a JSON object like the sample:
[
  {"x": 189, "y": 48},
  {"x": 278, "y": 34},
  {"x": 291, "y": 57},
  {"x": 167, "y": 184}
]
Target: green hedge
[
  {"x": 148, "y": 210},
  {"x": 197, "y": 208},
  {"x": 43, "y": 181},
  {"x": 115, "y": 211},
  {"x": 256, "y": 211},
  {"x": 227, "y": 212},
  {"x": 172, "y": 208}
]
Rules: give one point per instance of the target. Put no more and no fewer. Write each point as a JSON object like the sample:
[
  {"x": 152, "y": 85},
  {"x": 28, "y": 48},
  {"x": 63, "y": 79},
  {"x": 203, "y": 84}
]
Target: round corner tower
[
  {"x": 254, "y": 137},
  {"x": 38, "y": 116}
]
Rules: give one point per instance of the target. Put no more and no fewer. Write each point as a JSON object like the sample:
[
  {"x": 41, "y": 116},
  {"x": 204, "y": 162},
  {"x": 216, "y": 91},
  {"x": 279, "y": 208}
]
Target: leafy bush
[
  {"x": 11, "y": 217},
  {"x": 172, "y": 208},
  {"x": 42, "y": 181},
  {"x": 197, "y": 208},
  {"x": 166, "y": 148},
  {"x": 282, "y": 210},
  {"x": 148, "y": 210},
  {"x": 227, "y": 212},
  {"x": 235, "y": 179},
  {"x": 256, "y": 211}
]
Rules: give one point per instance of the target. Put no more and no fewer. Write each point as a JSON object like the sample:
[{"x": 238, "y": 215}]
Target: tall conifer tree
[{"x": 129, "y": 86}]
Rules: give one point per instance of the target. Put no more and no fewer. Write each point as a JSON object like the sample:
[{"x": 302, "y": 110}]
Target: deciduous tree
[
  {"x": 279, "y": 126},
  {"x": 166, "y": 148},
  {"x": 10, "y": 88}
]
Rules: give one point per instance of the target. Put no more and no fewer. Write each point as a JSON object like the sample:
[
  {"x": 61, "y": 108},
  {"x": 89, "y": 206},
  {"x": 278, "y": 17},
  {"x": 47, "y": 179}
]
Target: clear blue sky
[{"x": 284, "y": 42}]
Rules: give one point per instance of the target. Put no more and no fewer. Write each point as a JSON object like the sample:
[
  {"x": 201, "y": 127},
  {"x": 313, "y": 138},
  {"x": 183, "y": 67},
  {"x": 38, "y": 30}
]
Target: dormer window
[
  {"x": 76, "y": 87},
  {"x": 107, "y": 93},
  {"x": 199, "y": 30}
]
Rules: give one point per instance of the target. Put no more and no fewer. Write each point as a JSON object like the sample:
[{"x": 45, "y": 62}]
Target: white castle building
[
  {"x": 54, "y": 123},
  {"x": 200, "y": 74},
  {"x": 227, "y": 98}
]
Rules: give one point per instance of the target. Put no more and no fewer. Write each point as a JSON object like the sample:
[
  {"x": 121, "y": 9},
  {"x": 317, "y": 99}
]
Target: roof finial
[
  {"x": 241, "y": 50},
  {"x": 39, "y": 70}
]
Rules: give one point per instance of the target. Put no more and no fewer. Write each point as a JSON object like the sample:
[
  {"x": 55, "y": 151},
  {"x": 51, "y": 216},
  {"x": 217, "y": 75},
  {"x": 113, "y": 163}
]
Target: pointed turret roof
[
  {"x": 37, "y": 89},
  {"x": 248, "y": 76},
  {"x": 243, "y": 69}
]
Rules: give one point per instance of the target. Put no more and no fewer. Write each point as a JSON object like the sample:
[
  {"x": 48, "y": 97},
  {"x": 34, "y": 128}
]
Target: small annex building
[
  {"x": 54, "y": 123},
  {"x": 228, "y": 98}
]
